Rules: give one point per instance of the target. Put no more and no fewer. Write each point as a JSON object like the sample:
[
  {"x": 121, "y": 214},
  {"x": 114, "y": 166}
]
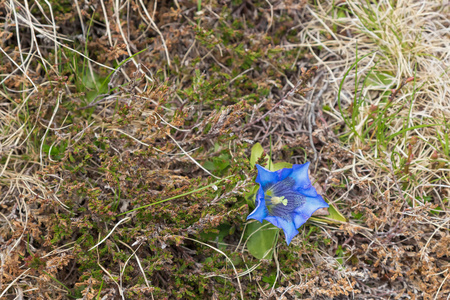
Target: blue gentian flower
[{"x": 286, "y": 198}]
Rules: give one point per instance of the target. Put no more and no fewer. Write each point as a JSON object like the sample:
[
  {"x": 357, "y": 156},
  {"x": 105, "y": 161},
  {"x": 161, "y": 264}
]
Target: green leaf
[
  {"x": 223, "y": 231},
  {"x": 92, "y": 82},
  {"x": 261, "y": 239},
  {"x": 436, "y": 211},
  {"x": 250, "y": 196},
  {"x": 280, "y": 165},
  {"x": 335, "y": 216},
  {"x": 218, "y": 164},
  {"x": 357, "y": 216},
  {"x": 270, "y": 279},
  {"x": 257, "y": 152},
  {"x": 380, "y": 79}
]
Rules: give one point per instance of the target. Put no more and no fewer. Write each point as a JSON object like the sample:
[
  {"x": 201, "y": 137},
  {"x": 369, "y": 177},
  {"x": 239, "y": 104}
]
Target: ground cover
[{"x": 126, "y": 137}]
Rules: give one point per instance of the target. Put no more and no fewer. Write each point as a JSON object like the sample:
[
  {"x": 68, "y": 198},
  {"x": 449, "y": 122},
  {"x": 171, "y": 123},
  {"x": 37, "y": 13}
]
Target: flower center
[
  {"x": 277, "y": 200},
  {"x": 282, "y": 199}
]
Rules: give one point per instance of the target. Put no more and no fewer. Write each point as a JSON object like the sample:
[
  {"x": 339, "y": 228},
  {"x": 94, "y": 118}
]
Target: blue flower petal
[
  {"x": 312, "y": 204},
  {"x": 300, "y": 218},
  {"x": 302, "y": 182},
  {"x": 266, "y": 177},
  {"x": 283, "y": 173},
  {"x": 288, "y": 227},
  {"x": 261, "y": 211}
]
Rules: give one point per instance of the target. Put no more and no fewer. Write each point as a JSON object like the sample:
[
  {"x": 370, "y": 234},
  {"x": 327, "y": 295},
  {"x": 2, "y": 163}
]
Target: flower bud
[
  {"x": 434, "y": 155},
  {"x": 373, "y": 108}
]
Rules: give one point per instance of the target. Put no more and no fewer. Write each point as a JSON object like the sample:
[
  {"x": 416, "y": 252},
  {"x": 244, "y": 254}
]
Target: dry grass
[{"x": 374, "y": 124}]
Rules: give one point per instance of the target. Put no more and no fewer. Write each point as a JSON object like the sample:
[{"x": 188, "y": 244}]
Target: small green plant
[{"x": 285, "y": 198}]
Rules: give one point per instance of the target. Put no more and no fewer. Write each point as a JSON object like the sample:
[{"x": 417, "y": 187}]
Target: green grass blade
[{"x": 178, "y": 196}]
